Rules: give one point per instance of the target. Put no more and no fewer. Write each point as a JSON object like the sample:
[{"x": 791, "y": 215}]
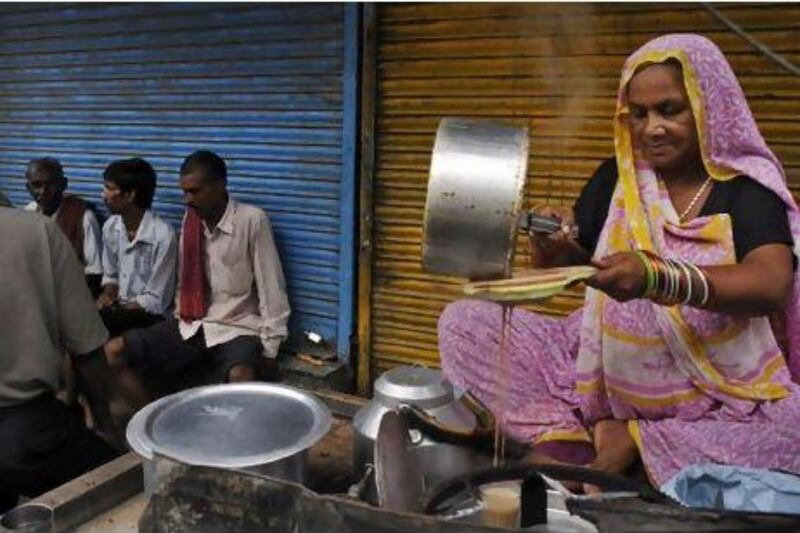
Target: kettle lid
[{"x": 424, "y": 387}]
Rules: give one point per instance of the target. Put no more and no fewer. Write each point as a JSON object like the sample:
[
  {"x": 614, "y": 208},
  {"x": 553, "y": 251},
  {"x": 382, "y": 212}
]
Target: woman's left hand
[{"x": 622, "y": 276}]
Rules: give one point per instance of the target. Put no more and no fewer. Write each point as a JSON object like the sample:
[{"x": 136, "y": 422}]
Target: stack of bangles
[{"x": 672, "y": 282}]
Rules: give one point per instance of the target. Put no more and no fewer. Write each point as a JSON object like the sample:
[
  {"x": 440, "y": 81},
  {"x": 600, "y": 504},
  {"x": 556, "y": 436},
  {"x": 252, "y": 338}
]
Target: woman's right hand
[
  {"x": 622, "y": 276},
  {"x": 559, "y": 248}
]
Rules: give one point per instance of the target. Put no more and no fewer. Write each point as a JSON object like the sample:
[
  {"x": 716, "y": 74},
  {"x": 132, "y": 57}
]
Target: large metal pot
[
  {"x": 475, "y": 197},
  {"x": 258, "y": 427},
  {"x": 427, "y": 389}
]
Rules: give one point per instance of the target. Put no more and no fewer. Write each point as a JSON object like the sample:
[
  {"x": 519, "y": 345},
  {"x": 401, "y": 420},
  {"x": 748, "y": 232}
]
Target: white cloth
[
  {"x": 45, "y": 306},
  {"x": 92, "y": 240},
  {"x": 248, "y": 290},
  {"x": 144, "y": 270},
  {"x": 735, "y": 488}
]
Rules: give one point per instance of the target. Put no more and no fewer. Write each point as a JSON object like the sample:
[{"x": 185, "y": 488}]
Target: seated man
[
  {"x": 46, "y": 183},
  {"x": 231, "y": 303},
  {"x": 140, "y": 250},
  {"x": 45, "y": 309}
]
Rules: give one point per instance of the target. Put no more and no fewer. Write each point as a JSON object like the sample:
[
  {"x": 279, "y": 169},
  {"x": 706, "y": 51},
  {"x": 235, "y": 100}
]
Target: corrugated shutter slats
[{"x": 261, "y": 84}]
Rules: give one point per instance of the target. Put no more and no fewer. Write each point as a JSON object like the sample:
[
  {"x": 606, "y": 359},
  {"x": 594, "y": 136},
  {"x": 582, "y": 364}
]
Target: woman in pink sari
[{"x": 673, "y": 358}]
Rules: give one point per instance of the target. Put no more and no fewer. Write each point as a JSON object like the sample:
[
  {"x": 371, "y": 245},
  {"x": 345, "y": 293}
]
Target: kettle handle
[
  {"x": 418, "y": 419},
  {"x": 482, "y": 437},
  {"x": 421, "y": 420},
  {"x": 482, "y": 413}
]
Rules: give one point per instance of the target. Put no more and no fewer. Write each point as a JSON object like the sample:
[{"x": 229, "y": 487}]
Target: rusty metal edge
[
  {"x": 367, "y": 169},
  {"x": 93, "y": 493},
  {"x": 341, "y": 404}
]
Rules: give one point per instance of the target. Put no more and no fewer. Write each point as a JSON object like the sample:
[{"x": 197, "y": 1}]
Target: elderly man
[
  {"x": 231, "y": 304},
  {"x": 46, "y": 184},
  {"x": 45, "y": 309}
]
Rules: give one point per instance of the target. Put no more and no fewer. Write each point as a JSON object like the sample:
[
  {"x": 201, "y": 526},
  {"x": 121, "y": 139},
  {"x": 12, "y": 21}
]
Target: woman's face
[{"x": 661, "y": 120}]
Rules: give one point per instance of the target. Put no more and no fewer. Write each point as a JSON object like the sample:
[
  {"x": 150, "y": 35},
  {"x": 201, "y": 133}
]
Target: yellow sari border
[
  {"x": 720, "y": 337},
  {"x": 629, "y": 338},
  {"x": 654, "y": 402},
  {"x": 762, "y": 390},
  {"x": 636, "y": 434},
  {"x": 573, "y": 435},
  {"x": 588, "y": 387}
]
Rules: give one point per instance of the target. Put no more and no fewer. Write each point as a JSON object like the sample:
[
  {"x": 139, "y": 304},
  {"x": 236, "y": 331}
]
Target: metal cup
[{"x": 501, "y": 502}]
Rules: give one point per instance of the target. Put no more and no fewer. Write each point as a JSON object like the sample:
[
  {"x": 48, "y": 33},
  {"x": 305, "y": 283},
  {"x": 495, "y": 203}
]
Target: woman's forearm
[{"x": 760, "y": 285}]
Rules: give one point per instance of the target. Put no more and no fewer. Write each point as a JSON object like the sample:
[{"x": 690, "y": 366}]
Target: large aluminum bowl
[
  {"x": 475, "y": 196},
  {"x": 258, "y": 427}
]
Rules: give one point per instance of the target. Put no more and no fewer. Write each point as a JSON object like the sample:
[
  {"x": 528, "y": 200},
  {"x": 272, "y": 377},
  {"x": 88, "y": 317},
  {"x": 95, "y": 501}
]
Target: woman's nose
[{"x": 655, "y": 126}]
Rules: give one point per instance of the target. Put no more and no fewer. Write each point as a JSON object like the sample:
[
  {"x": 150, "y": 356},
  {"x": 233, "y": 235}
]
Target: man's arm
[
  {"x": 81, "y": 331},
  {"x": 110, "y": 261},
  {"x": 93, "y": 372},
  {"x": 160, "y": 288},
  {"x": 273, "y": 305},
  {"x": 92, "y": 244}
]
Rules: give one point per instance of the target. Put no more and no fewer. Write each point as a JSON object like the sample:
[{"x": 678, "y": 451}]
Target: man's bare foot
[{"x": 616, "y": 449}]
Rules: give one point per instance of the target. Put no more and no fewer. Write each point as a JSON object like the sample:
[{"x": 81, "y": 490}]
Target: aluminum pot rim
[{"x": 143, "y": 443}]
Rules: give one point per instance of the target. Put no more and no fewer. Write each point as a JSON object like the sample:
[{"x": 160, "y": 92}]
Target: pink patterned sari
[{"x": 695, "y": 386}]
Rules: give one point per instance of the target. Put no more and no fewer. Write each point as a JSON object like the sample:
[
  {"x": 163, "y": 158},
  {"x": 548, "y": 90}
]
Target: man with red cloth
[{"x": 231, "y": 305}]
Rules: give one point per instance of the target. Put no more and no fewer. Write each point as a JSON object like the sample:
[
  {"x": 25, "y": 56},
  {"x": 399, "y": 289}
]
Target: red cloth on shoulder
[{"x": 193, "y": 303}]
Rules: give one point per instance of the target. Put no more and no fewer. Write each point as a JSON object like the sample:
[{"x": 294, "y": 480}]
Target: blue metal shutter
[{"x": 269, "y": 87}]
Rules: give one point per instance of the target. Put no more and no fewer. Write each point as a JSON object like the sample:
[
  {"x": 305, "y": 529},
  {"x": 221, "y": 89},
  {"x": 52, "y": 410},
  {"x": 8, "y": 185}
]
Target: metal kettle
[{"x": 424, "y": 394}]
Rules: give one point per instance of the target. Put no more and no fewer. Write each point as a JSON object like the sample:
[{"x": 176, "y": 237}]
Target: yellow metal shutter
[{"x": 554, "y": 68}]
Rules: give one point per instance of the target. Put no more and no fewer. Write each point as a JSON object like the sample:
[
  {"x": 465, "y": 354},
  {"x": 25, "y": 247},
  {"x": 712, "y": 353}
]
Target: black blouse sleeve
[
  {"x": 758, "y": 216},
  {"x": 591, "y": 207}
]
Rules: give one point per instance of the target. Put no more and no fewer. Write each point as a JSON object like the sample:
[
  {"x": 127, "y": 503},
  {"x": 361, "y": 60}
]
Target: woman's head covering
[
  {"x": 729, "y": 138},
  {"x": 730, "y": 143}
]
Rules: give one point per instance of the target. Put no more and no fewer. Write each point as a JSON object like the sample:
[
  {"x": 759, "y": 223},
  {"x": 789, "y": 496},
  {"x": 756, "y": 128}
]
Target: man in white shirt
[
  {"x": 46, "y": 183},
  {"x": 45, "y": 310},
  {"x": 231, "y": 299},
  {"x": 140, "y": 250}
]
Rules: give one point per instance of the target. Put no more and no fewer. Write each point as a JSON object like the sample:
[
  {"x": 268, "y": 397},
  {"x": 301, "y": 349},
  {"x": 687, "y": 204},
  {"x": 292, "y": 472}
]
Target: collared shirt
[
  {"x": 45, "y": 306},
  {"x": 92, "y": 240},
  {"x": 144, "y": 270},
  {"x": 248, "y": 291}
]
